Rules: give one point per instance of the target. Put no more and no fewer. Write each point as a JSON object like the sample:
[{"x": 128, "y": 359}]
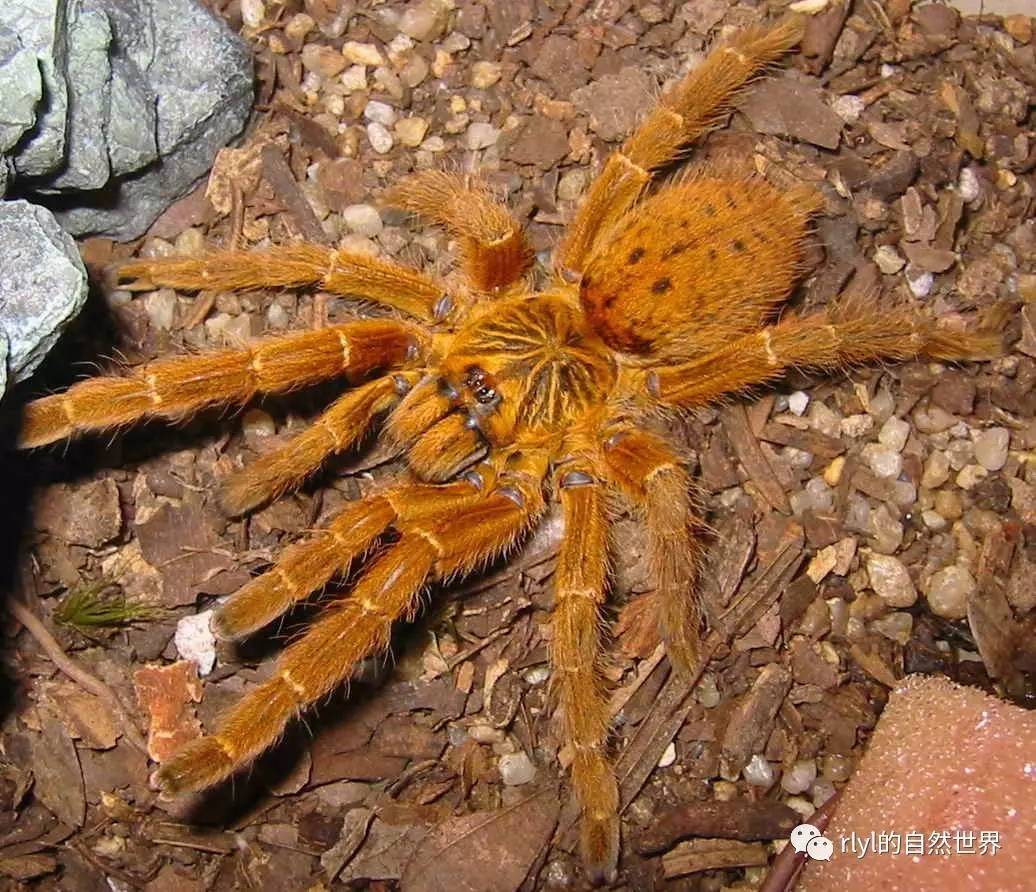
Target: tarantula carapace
[{"x": 506, "y": 397}]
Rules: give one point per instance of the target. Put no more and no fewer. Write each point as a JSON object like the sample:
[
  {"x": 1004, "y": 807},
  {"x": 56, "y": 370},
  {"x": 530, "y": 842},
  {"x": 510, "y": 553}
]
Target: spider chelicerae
[{"x": 508, "y": 395}]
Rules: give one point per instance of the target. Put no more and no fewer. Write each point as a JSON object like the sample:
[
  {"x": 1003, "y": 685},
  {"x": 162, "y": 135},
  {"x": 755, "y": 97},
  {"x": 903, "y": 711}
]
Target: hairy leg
[
  {"x": 579, "y": 590},
  {"x": 852, "y": 334},
  {"x": 307, "y": 565},
  {"x": 688, "y": 111},
  {"x": 297, "y": 266},
  {"x": 337, "y": 429},
  {"x": 440, "y": 544},
  {"x": 495, "y": 251},
  {"x": 176, "y": 388},
  {"x": 655, "y": 480}
]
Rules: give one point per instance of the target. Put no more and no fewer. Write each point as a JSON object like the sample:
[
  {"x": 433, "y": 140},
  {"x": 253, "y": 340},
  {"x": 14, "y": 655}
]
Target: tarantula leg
[
  {"x": 494, "y": 248},
  {"x": 176, "y": 388},
  {"x": 685, "y": 113},
  {"x": 439, "y": 545},
  {"x": 297, "y": 266},
  {"x": 579, "y": 591},
  {"x": 310, "y": 564},
  {"x": 850, "y": 335},
  {"x": 656, "y": 481},
  {"x": 339, "y": 428}
]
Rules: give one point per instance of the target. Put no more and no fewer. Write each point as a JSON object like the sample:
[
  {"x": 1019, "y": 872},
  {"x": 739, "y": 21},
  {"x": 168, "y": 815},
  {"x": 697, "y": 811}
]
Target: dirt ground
[{"x": 866, "y": 525}]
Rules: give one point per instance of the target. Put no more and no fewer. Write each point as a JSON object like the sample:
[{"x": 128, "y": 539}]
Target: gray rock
[
  {"x": 41, "y": 26},
  {"x": 202, "y": 76},
  {"x": 20, "y": 88},
  {"x": 131, "y": 129},
  {"x": 42, "y": 285},
  {"x": 89, "y": 71}
]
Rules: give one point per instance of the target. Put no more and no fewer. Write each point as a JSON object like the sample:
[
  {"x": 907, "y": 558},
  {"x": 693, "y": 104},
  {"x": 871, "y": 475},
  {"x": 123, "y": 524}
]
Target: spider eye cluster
[{"x": 476, "y": 383}]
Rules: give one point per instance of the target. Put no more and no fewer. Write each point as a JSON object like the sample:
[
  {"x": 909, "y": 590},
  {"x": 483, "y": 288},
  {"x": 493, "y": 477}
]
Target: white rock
[
  {"x": 354, "y": 78},
  {"x": 889, "y": 260},
  {"x": 882, "y": 460},
  {"x": 920, "y": 282},
  {"x": 936, "y": 470},
  {"x": 948, "y": 592},
  {"x": 890, "y": 580},
  {"x": 856, "y": 425},
  {"x": 480, "y": 135},
  {"x": 362, "y": 219},
  {"x": 160, "y": 307},
  {"x": 971, "y": 476},
  {"x": 380, "y": 138},
  {"x": 381, "y": 112},
  {"x": 759, "y": 773},
  {"x": 991, "y": 447},
  {"x": 362, "y": 53},
  {"x": 668, "y": 757},
  {"x": 969, "y": 185},
  {"x": 424, "y": 20},
  {"x": 797, "y": 402},
  {"x": 848, "y": 107},
  {"x": 894, "y": 433},
  {"x": 516, "y": 769},
  {"x": 800, "y": 776},
  {"x": 196, "y": 642}
]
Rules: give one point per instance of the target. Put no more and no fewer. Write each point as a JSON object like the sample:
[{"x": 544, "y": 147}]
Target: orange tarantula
[{"x": 506, "y": 397}]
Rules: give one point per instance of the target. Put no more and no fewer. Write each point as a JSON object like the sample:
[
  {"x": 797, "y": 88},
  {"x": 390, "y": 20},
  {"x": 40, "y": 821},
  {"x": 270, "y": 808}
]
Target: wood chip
[
  {"x": 697, "y": 855},
  {"x": 754, "y": 462},
  {"x": 738, "y": 819}
]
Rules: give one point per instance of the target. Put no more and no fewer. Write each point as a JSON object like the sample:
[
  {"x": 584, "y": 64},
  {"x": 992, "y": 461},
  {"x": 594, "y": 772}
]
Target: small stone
[
  {"x": 797, "y": 402},
  {"x": 882, "y": 460},
  {"x": 833, "y": 472},
  {"x": 932, "y": 419},
  {"x": 759, "y": 773},
  {"x": 362, "y": 219},
  {"x": 298, "y": 26},
  {"x": 572, "y": 184},
  {"x": 411, "y": 131},
  {"x": 971, "y": 476},
  {"x": 991, "y": 447},
  {"x": 414, "y": 72},
  {"x": 322, "y": 60},
  {"x": 948, "y": 592},
  {"x": 848, "y": 107},
  {"x": 668, "y": 757},
  {"x": 969, "y": 185},
  {"x": 480, "y": 135},
  {"x": 1019, "y": 26},
  {"x": 897, "y": 626},
  {"x": 257, "y": 424},
  {"x": 920, "y": 282},
  {"x": 933, "y": 520},
  {"x": 948, "y": 504},
  {"x": 516, "y": 769},
  {"x": 890, "y": 580},
  {"x": 253, "y": 12},
  {"x": 800, "y": 776},
  {"x": 354, "y": 79},
  {"x": 837, "y": 767},
  {"x": 196, "y": 642},
  {"x": 856, "y": 425},
  {"x": 380, "y": 138},
  {"x": 936, "y": 471},
  {"x": 425, "y": 20},
  {"x": 381, "y": 112},
  {"x": 894, "y": 433},
  {"x": 889, "y": 260},
  {"x": 160, "y": 307},
  {"x": 485, "y": 74},
  {"x": 886, "y": 530},
  {"x": 362, "y": 53}
]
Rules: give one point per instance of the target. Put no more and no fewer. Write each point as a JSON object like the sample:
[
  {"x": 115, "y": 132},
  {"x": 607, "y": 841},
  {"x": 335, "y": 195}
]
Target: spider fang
[{"x": 576, "y": 478}]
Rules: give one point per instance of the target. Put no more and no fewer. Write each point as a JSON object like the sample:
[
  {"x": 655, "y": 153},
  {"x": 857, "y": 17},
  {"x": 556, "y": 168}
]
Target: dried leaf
[
  {"x": 486, "y": 851},
  {"x": 86, "y": 717},
  {"x": 59, "y": 778}
]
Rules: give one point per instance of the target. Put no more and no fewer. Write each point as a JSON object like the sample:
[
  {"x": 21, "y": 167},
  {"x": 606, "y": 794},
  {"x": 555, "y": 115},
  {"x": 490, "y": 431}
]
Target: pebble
[
  {"x": 800, "y": 776},
  {"x": 848, "y": 107},
  {"x": 322, "y": 60},
  {"x": 380, "y": 139},
  {"x": 886, "y": 530},
  {"x": 362, "y": 53},
  {"x": 833, "y": 472},
  {"x": 480, "y": 135},
  {"x": 160, "y": 307},
  {"x": 253, "y": 12},
  {"x": 759, "y": 773},
  {"x": 969, "y": 184},
  {"x": 362, "y": 219},
  {"x": 411, "y": 131},
  {"x": 882, "y": 460},
  {"x": 298, "y": 26},
  {"x": 897, "y": 626},
  {"x": 960, "y": 453},
  {"x": 948, "y": 504},
  {"x": 836, "y": 767},
  {"x": 971, "y": 476},
  {"x": 195, "y": 640},
  {"x": 920, "y": 282},
  {"x": 936, "y": 470},
  {"x": 856, "y": 425},
  {"x": 190, "y": 242},
  {"x": 354, "y": 79},
  {"x": 889, "y": 260},
  {"x": 894, "y": 433},
  {"x": 381, "y": 112},
  {"x": 797, "y": 402},
  {"x": 414, "y": 72},
  {"x": 931, "y": 419},
  {"x": 948, "y": 592},
  {"x": 668, "y": 757},
  {"x": 933, "y": 520},
  {"x": 890, "y": 580},
  {"x": 424, "y": 20},
  {"x": 485, "y": 74},
  {"x": 572, "y": 184},
  {"x": 991, "y": 448},
  {"x": 516, "y": 769},
  {"x": 707, "y": 692},
  {"x": 257, "y": 424}
]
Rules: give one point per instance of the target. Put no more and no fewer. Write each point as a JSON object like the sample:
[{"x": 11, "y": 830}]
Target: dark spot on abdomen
[
  {"x": 661, "y": 286},
  {"x": 737, "y": 245},
  {"x": 635, "y": 256}
]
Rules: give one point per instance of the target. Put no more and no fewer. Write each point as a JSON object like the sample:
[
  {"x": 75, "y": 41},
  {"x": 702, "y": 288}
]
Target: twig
[{"x": 34, "y": 626}]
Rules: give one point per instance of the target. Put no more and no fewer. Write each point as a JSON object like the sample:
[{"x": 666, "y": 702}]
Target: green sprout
[{"x": 100, "y": 605}]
